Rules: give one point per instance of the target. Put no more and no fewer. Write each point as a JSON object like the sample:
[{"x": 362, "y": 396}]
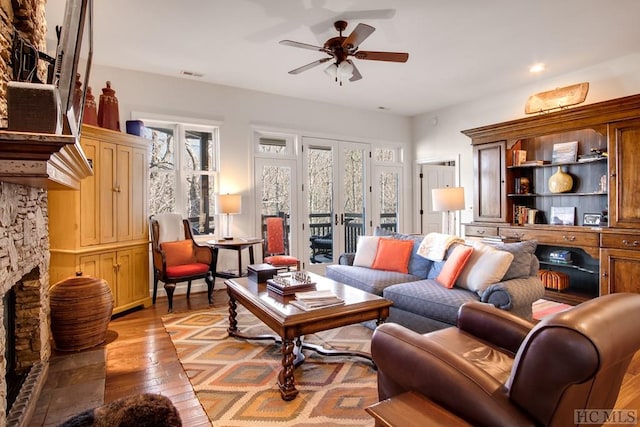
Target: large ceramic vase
[
  {"x": 108, "y": 114},
  {"x": 90, "y": 116},
  {"x": 560, "y": 182},
  {"x": 81, "y": 308}
]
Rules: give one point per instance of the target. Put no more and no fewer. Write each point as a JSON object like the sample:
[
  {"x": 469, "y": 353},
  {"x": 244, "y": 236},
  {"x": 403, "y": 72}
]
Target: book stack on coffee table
[{"x": 316, "y": 299}]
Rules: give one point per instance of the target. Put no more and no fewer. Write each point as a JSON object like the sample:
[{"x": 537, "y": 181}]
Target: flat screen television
[{"x": 73, "y": 62}]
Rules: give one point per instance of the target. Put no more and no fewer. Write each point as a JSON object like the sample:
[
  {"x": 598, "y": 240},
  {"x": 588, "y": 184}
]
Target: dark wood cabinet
[
  {"x": 489, "y": 169},
  {"x": 624, "y": 175},
  {"x": 605, "y": 257}
]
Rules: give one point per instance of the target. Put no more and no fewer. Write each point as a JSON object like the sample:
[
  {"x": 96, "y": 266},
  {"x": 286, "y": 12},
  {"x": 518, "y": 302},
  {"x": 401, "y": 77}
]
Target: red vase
[
  {"x": 90, "y": 115},
  {"x": 108, "y": 115}
]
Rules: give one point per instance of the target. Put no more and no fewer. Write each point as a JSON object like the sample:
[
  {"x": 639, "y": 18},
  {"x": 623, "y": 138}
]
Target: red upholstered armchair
[
  {"x": 276, "y": 243},
  {"x": 495, "y": 369},
  {"x": 177, "y": 257}
]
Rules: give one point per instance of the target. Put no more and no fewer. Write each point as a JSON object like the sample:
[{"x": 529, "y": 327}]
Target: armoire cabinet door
[
  {"x": 139, "y": 189},
  {"x": 619, "y": 271},
  {"x": 489, "y": 191},
  {"x": 108, "y": 192},
  {"x": 624, "y": 164},
  {"x": 123, "y": 183},
  {"x": 90, "y": 197}
]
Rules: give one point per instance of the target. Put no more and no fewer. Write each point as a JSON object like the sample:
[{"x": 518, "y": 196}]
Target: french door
[
  {"x": 336, "y": 198},
  {"x": 276, "y": 195}
]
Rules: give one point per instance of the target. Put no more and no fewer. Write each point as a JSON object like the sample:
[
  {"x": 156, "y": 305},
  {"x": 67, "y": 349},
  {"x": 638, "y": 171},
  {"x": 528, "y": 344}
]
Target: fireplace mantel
[{"x": 42, "y": 160}]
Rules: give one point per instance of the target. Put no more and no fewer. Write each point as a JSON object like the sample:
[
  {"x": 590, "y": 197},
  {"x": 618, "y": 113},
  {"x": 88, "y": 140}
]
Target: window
[
  {"x": 183, "y": 171},
  {"x": 278, "y": 144}
]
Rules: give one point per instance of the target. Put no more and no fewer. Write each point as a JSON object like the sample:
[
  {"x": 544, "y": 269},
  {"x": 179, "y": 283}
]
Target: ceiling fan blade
[
  {"x": 309, "y": 65},
  {"x": 382, "y": 56},
  {"x": 301, "y": 45},
  {"x": 356, "y": 74},
  {"x": 358, "y": 35}
]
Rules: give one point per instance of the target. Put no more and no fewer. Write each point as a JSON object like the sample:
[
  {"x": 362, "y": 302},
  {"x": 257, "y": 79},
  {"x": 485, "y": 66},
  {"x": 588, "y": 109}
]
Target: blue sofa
[{"x": 423, "y": 305}]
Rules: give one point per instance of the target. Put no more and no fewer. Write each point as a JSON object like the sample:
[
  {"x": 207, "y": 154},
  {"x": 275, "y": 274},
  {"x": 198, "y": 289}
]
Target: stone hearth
[{"x": 24, "y": 266}]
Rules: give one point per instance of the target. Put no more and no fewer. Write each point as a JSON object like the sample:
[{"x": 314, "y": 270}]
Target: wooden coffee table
[{"x": 291, "y": 323}]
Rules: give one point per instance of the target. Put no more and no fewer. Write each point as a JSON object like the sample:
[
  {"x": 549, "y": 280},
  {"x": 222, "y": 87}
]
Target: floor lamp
[
  {"x": 229, "y": 204},
  {"x": 446, "y": 200}
]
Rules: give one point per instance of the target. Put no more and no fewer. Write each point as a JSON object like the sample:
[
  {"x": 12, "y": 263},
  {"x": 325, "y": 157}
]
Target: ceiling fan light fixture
[
  {"x": 345, "y": 69},
  {"x": 332, "y": 71}
]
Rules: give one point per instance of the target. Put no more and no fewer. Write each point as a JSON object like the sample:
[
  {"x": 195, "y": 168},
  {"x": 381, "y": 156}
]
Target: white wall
[
  {"x": 437, "y": 134},
  {"x": 238, "y": 109}
]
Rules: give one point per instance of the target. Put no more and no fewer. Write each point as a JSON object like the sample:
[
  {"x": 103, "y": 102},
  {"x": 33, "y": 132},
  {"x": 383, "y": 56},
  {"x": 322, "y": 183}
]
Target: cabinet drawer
[
  {"x": 480, "y": 231},
  {"x": 620, "y": 241},
  {"x": 551, "y": 237}
]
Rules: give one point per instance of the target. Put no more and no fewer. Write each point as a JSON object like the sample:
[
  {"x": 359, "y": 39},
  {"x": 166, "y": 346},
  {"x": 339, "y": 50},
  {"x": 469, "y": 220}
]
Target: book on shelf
[
  {"x": 519, "y": 157},
  {"x": 521, "y": 214},
  {"x": 535, "y": 163},
  {"x": 316, "y": 299}
]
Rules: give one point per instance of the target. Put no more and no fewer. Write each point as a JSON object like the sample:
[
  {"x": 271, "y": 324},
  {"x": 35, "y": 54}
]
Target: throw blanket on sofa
[{"x": 434, "y": 245}]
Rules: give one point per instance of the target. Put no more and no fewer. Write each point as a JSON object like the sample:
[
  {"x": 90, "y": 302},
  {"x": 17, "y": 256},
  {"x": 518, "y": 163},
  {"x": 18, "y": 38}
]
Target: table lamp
[
  {"x": 229, "y": 204},
  {"x": 446, "y": 200}
]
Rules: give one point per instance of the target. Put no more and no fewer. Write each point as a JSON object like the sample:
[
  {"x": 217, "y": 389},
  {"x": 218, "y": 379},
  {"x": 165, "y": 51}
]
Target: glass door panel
[
  {"x": 275, "y": 181},
  {"x": 320, "y": 179},
  {"x": 353, "y": 196},
  {"x": 387, "y": 193}
]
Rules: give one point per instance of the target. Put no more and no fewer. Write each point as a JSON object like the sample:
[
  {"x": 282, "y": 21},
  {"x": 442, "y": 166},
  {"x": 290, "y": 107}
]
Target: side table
[
  {"x": 411, "y": 409},
  {"x": 236, "y": 244}
]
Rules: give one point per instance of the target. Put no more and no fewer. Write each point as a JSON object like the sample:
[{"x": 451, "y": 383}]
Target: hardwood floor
[{"x": 141, "y": 358}]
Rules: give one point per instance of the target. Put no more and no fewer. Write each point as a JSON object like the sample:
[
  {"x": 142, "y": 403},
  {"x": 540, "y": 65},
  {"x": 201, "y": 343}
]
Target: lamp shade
[
  {"x": 447, "y": 199},
  {"x": 229, "y": 203}
]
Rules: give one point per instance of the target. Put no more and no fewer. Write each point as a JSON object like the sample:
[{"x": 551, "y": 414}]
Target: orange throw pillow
[
  {"x": 454, "y": 265},
  {"x": 179, "y": 253},
  {"x": 393, "y": 255}
]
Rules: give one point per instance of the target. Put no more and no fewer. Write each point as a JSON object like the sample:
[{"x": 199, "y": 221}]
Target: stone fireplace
[
  {"x": 24, "y": 248},
  {"x": 24, "y": 266}
]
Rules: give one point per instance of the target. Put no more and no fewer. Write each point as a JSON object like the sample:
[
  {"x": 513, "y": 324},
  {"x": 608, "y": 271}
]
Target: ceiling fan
[{"x": 341, "y": 48}]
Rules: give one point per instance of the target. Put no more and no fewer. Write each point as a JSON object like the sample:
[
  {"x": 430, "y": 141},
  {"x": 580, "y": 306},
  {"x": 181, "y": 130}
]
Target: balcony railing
[{"x": 320, "y": 225}]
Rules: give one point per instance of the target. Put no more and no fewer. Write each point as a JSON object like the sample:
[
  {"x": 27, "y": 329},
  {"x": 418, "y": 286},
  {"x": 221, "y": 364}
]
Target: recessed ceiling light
[{"x": 537, "y": 68}]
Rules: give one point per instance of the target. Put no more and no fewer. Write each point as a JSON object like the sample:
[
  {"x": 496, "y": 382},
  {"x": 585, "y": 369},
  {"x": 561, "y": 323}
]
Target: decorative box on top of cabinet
[{"x": 102, "y": 229}]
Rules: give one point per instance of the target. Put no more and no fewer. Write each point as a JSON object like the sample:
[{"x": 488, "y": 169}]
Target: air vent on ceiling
[{"x": 191, "y": 73}]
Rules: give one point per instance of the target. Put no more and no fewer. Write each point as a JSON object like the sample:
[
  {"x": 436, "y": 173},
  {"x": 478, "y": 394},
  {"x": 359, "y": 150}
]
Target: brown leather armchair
[{"x": 495, "y": 369}]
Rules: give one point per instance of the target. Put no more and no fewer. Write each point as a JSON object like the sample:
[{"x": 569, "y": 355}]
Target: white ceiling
[{"x": 459, "y": 50}]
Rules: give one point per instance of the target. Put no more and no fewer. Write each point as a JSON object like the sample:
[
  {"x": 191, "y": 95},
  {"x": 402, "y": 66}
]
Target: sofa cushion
[
  {"x": 523, "y": 254},
  {"x": 429, "y": 299},
  {"x": 366, "y": 251},
  {"x": 418, "y": 266},
  {"x": 486, "y": 266},
  {"x": 393, "y": 255},
  {"x": 367, "y": 279},
  {"x": 454, "y": 265}
]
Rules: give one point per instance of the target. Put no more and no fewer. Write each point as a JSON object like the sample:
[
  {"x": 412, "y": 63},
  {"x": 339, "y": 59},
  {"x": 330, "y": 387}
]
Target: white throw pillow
[
  {"x": 366, "y": 251},
  {"x": 486, "y": 266}
]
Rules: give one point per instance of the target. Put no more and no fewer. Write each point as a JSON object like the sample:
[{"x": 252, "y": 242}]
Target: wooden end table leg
[{"x": 285, "y": 377}]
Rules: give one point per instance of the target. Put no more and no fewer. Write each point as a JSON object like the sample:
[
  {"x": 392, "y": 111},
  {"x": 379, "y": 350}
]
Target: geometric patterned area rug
[
  {"x": 236, "y": 379},
  {"x": 543, "y": 307}
]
